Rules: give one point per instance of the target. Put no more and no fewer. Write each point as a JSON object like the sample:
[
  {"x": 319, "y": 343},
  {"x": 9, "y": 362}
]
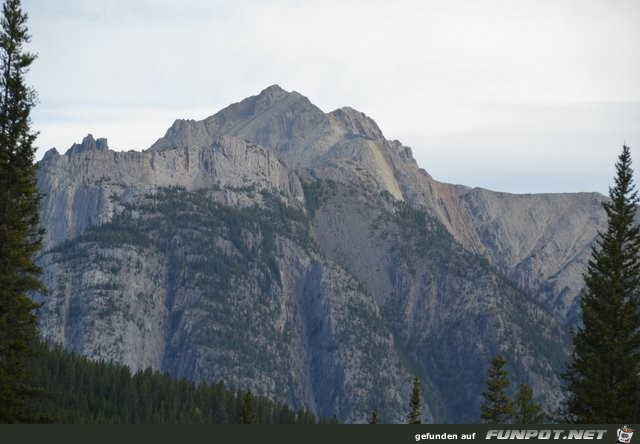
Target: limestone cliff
[{"x": 83, "y": 187}]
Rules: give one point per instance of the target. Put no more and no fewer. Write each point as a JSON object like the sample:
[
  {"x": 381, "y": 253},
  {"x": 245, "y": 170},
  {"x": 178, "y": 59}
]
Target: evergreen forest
[{"x": 82, "y": 391}]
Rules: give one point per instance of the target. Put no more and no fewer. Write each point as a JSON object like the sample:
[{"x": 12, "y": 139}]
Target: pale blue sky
[{"x": 519, "y": 96}]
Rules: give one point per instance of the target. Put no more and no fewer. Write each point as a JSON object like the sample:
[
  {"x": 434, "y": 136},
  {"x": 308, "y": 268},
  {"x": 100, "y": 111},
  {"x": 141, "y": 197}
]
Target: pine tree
[
  {"x": 525, "y": 409},
  {"x": 374, "y": 417},
  {"x": 415, "y": 404},
  {"x": 248, "y": 413},
  {"x": 20, "y": 235},
  {"x": 603, "y": 374},
  {"x": 496, "y": 407}
]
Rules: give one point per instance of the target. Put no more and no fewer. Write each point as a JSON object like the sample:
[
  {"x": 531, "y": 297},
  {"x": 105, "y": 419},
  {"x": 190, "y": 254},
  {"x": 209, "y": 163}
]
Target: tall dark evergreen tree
[
  {"x": 415, "y": 404},
  {"x": 603, "y": 375},
  {"x": 20, "y": 234},
  {"x": 374, "y": 417},
  {"x": 248, "y": 413},
  {"x": 496, "y": 408},
  {"x": 525, "y": 409}
]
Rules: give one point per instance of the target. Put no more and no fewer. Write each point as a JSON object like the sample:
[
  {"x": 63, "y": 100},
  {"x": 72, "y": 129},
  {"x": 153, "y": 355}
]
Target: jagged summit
[
  {"x": 303, "y": 136},
  {"x": 88, "y": 144},
  {"x": 274, "y": 92},
  {"x": 284, "y": 122},
  {"x": 240, "y": 119}
]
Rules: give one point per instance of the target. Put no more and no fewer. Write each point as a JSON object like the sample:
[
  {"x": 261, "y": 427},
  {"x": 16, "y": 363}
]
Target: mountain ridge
[{"x": 317, "y": 249}]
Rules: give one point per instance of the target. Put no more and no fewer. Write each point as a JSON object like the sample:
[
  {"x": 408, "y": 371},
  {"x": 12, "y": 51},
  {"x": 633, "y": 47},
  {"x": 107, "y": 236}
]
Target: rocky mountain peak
[
  {"x": 272, "y": 101},
  {"x": 357, "y": 123},
  {"x": 273, "y": 93},
  {"x": 253, "y": 119},
  {"x": 302, "y": 135},
  {"x": 52, "y": 152},
  {"x": 88, "y": 144}
]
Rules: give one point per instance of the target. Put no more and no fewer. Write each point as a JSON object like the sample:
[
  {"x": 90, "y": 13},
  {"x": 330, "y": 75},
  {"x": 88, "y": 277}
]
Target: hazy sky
[{"x": 513, "y": 95}]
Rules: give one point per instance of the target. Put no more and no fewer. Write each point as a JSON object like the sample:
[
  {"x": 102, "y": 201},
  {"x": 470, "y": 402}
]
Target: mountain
[
  {"x": 540, "y": 241},
  {"x": 301, "y": 254}
]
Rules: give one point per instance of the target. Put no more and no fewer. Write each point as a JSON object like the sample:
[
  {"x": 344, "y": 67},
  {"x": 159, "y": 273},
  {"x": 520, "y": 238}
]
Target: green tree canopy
[
  {"x": 603, "y": 374},
  {"x": 248, "y": 413},
  {"x": 525, "y": 409},
  {"x": 20, "y": 233},
  {"x": 496, "y": 408},
  {"x": 415, "y": 404}
]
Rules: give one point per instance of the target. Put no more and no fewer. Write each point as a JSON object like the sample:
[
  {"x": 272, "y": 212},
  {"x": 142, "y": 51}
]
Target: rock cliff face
[
  {"x": 302, "y": 254},
  {"x": 540, "y": 241},
  {"x": 83, "y": 187}
]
